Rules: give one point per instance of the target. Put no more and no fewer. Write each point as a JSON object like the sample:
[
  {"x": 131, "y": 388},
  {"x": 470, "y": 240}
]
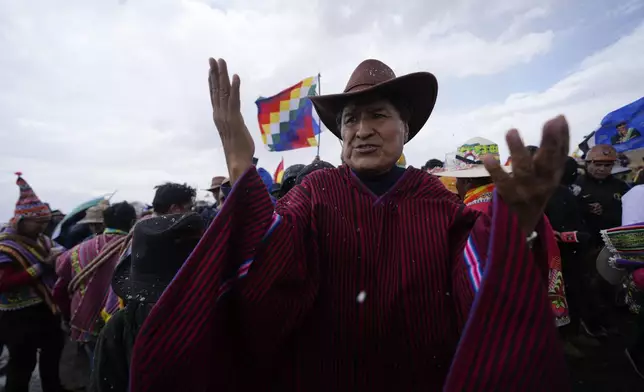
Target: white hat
[
  {"x": 606, "y": 270},
  {"x": 93, "y": 214},
  {"x": 467, "y": 162},
  {"x": 617, "y": 169}
]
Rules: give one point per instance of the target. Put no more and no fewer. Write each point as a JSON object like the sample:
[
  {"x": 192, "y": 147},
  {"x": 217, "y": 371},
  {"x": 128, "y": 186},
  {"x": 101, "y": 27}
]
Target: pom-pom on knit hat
[{"x": 28, "y": 204}]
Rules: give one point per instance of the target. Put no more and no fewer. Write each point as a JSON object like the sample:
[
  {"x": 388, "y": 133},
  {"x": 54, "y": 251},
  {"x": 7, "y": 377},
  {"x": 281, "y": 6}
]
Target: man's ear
[{"x": 406, "y": 130}]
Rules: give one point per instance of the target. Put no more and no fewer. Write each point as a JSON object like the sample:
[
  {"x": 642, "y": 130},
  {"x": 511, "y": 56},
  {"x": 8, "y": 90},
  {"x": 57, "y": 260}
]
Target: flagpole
[{"x": 317, "y": 154}]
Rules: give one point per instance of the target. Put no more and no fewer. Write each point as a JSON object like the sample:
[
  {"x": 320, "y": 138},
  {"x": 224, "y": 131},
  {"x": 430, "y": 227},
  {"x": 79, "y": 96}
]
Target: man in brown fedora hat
[
  {"x": 215, "y": 186},
  {"x": 357, "y": 279},
  {"x": 94, "y": 218}
]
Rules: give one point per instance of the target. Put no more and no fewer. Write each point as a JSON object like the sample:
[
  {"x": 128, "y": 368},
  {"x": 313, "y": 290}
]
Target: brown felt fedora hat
[
  {"x": 216, "y": 182},
  {"x": 417, "y": 91}
]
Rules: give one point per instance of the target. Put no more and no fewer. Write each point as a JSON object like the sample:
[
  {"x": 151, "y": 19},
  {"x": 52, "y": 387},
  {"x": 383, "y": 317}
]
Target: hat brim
[
  {"x": 610, "y": 274},
  {"x": 620, "y": 170},
  {"x": 474, "y": 172},
  {"x": 142, "y": 290},
  {"x": 418, "y": 91}
]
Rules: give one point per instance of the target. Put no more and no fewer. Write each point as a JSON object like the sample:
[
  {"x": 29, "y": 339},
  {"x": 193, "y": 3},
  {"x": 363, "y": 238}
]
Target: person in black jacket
[
  {"x": 288, "y": 178},
  {"x": 599, "y": 196},
  {"x": 599, "y": 193},
  {"x": 565, "y": 216},
  {"x": 160, "y": 245}
]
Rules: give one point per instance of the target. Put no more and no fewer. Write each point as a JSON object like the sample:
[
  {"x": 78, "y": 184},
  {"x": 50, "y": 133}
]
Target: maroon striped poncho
[
  {"x": 84, "y": 306},
  {"x": 338, "y": 289}
]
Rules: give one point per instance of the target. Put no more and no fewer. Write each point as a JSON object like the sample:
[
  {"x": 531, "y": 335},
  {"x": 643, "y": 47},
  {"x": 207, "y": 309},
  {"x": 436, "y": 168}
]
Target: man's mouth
[{"x": 366, "y": 148}]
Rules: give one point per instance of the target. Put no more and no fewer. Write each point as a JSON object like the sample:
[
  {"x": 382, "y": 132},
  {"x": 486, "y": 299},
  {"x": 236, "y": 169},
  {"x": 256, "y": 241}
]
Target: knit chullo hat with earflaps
[{"x": 29, "y": 205}]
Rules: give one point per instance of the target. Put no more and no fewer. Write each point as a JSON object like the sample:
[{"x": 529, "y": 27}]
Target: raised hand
[
  {"x": 533, "y": 179},
  {"x": 237, "y": 142}
]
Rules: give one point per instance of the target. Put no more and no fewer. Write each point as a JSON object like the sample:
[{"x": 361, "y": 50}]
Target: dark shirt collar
[{"x": 381, "y": 183}]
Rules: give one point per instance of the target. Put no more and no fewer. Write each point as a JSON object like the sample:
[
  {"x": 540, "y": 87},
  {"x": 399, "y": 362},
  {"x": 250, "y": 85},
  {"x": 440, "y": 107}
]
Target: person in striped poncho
[
  {"x": 29, "y": 317},
  {"x": 85, "y": 272},
  {"x": 356, "y": 280}
]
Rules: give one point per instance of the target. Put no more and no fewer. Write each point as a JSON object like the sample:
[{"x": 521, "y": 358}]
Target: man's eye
[{"x": 349, "y": 119}]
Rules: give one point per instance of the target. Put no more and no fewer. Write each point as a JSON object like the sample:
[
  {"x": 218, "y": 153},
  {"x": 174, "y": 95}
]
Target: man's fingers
[
  {"x": 224, "y": 82},
  {"x": 211, "y": 90},
  {"x": 213, "y": 78},
  {"x": 521, "y": 158},
  {"x": 234, "y": 102},
  {"x": 499, "y": 176},
  {"x": 555, "y": 144}
]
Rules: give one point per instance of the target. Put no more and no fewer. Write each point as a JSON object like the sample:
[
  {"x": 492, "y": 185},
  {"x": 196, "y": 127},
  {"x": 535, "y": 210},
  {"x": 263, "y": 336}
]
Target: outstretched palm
[
  {"x": 237, "y": 142},
  {"x": 533, "y": 179}
]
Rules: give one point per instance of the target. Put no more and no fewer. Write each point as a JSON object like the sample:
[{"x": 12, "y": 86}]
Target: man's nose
[{"x": 365, "y": 129}]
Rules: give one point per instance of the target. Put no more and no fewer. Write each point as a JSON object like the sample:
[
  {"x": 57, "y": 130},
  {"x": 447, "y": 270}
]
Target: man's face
[
  {"x": 373, "y": 136},
  {"x": 622, "y": 130},
  {"x": 32, "y": 227},
  {"x": 181, "y": 208},
  {"x": 215, "y": 194},
  {"x": 600, "y": 169}
]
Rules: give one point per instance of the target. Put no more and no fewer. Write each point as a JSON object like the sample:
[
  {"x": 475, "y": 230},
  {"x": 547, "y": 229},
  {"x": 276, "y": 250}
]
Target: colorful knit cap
[{"x": 28, "y": 204}]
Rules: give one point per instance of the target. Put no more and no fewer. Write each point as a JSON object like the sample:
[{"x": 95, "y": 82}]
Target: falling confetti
[{"x": 361, "y": 297}]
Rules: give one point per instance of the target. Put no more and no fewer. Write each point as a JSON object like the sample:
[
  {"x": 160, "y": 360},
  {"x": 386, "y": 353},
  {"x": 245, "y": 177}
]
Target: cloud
[
  {"x": 627, "y": 8},
  {"x": 604, "y": 81},
  {"x": 103, "y": 95},
  {"x": 521, "y": 21}
]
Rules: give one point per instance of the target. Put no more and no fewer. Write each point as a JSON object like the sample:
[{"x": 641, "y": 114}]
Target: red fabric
[
  {"x": 83, "y": 307},
  {"x": 551, "y": 271},
  {"x": 480, "y": 207},
  {"x": 567, "y": 236},
  {"x": 638, "y": 278},
  {"x": 510, "y": 343},
  {"x": 11, "y": 277},
  {"x": 350, "y": 292}
]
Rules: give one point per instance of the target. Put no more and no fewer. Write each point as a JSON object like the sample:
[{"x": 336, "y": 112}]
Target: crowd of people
[{"x": 465, "y": 274}]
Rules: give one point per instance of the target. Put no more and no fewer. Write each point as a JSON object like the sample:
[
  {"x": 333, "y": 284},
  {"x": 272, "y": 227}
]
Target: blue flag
[{"x": 623, "y": 127}]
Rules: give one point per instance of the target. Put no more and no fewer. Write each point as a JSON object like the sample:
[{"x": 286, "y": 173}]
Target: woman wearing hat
[
  {"x": 29, "y": 318},
  {"x": 356, "y": 280}
]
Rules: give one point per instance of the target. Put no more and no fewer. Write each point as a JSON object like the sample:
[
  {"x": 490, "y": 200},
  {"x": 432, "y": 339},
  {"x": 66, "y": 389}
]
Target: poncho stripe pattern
[
  {"x": 473, "y": 261},
  {"x": 353, "y": 292}
]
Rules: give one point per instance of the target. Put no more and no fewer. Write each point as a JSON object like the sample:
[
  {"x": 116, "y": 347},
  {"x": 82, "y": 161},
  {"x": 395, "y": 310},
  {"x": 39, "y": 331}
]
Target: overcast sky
[{"x": 105, "y": 95}]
